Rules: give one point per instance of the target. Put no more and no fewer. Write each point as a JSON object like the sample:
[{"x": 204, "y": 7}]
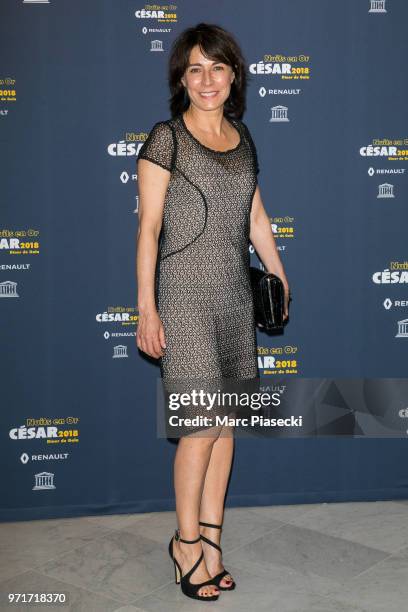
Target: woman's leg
[
  {"x": 190, "y": 466},
  {"x": 213, "y": 498}
]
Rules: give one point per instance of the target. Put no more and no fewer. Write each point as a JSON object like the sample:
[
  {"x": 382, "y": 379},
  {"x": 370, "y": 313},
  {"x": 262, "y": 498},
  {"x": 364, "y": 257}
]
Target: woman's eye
[{"x": 197, "y": 69}]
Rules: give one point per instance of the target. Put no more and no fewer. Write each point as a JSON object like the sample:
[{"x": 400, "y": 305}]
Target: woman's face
[{"x": 208, "y": 82}]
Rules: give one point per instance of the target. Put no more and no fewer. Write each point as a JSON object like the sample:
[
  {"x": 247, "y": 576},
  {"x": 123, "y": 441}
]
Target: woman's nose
[{"x": 207, "y": 78}]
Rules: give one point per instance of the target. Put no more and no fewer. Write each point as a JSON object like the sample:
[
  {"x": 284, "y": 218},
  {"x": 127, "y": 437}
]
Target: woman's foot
[
  {"x": 187, "y": 555},
  {"x": 212, "y": 556}
]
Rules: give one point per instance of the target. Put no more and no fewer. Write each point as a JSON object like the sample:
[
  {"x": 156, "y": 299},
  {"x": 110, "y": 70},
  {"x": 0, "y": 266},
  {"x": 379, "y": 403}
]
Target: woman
[{"x": 197, "y": 177}]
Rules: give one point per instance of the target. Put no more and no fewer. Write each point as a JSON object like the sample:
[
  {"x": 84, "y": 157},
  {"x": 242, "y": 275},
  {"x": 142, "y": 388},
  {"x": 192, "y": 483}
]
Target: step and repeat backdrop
[{"x": 81, "y": 85}]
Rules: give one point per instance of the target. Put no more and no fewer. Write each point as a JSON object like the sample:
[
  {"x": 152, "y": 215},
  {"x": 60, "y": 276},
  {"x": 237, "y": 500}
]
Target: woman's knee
[{"x": 205, "y": 438}]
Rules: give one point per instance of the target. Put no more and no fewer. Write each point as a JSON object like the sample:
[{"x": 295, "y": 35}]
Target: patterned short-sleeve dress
[{"x": 203, "y": 290}]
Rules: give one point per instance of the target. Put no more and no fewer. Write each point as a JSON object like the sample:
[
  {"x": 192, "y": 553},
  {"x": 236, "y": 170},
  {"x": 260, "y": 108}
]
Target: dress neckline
[{"x": 230, "y": 121}]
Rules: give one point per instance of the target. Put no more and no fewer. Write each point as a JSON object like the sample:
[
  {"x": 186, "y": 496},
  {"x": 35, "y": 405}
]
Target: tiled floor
[{"x": 348, "y": 557}]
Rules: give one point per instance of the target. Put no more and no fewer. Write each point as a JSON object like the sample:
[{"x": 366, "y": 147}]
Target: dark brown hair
[{"x": 218, "y": 45}]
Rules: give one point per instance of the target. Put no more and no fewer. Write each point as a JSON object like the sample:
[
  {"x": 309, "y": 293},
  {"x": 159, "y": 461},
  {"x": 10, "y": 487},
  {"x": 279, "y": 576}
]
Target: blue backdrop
[{"x": 82, "y": 83}]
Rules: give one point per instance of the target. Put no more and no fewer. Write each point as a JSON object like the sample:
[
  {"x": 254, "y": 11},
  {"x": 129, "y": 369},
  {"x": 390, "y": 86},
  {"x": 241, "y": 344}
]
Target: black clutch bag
[{"x": 268, "y": 297}]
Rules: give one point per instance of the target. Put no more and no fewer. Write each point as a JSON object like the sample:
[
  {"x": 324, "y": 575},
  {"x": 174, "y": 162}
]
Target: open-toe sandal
[
  {"x": 217, "y": 579},
  {"x": 187, "y": 587}
]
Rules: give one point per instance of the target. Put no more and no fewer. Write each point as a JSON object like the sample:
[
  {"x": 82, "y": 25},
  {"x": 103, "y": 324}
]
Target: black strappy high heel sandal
[
  {"x": 217, "y": 579},
  {"x": 188, "y": 588}
]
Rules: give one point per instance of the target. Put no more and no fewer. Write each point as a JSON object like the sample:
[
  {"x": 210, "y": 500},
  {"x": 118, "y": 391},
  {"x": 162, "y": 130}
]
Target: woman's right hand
[{"x": 150, "y": 334}]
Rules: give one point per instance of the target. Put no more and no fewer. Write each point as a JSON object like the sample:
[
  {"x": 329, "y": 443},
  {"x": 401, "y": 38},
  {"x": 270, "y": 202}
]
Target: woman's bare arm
[
  {"x": 152, "y": 181},
  {"x": 263, "y": 240}
]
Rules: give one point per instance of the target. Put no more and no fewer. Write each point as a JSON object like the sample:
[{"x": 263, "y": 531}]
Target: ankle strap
[
  {"x": 179, "y": 539},
  {"x": 210, "y": 525}
]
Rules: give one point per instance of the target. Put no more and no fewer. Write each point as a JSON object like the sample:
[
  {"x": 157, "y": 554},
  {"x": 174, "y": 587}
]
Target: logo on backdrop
[
  {"x": 397, "y": 273},
  {"x": 156, "y": 45},
  {"x": 126, "y": 318},
  {"x": 372, "y": 171},
  {"x": 377, "y": 6},
  {"x": 156, "y": 30},
  {"x": 386, "y": 190},
  {"x": 282, "y": 228},
  {"x": 23, "y": 242},
  {"x": 388, "y": 303},
  {"x": 20, "y": 242},
  {"x": 278, "y": 92},
  {"x": 165, "y": 14},
  {"x": 24, "y": 458},
  {"x": 129, "y": 147},
  {"x": 7, "y": 94},
  {"x": 120, "y": 351},
  {"x": 11, "y": 267},
  {"x": 118, "y": 314},
  {"x": 8, "y": 289},
  {"x": 395, "y": 150},
  {"x": 277, "y": 360},
  {"x": 53, "y": 430},
  {"x": 163, "y": 17},
  {"x": 287, "y": 68},
  {"x": 402, "y": 329},
  {"x": 279, "y": 113},
  {"x": 44, "y": 481}
]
